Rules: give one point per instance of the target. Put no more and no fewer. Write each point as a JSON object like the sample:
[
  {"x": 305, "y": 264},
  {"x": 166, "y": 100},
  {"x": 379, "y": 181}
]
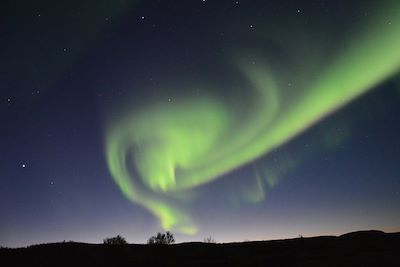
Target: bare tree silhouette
[{"x": 209, "y": 239}]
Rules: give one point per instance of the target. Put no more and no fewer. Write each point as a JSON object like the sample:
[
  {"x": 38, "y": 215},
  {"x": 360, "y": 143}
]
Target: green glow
[
  {"x": 255, "y": 192},
  {"x": 181, "y": 145}
]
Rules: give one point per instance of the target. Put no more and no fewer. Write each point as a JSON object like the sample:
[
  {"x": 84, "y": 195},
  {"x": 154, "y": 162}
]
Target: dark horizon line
[{"x": 348, "y": 234}]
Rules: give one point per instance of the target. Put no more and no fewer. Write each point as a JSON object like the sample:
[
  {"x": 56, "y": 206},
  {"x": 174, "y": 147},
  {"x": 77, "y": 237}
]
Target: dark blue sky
[{"x": 65, "y": 66}]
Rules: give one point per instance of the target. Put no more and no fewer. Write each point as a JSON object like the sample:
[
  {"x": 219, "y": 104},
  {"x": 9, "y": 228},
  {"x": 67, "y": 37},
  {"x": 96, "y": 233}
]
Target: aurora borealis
[
  {"x": 201, "y": 118},
  {"x": 182, "y": 146}
]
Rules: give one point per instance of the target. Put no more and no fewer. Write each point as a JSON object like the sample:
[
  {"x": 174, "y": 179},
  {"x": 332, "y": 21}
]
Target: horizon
[{"x": 203, "y": 241}]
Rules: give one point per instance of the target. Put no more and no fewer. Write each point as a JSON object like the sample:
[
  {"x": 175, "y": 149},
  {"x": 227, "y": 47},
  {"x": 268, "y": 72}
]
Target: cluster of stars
[
  {"x": 23, "y": 165},
  {"x": 34, "y": 92}
]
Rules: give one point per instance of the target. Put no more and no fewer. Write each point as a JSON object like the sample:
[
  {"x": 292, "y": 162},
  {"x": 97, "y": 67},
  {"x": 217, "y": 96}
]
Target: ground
[{"x": 366, "y": 248}]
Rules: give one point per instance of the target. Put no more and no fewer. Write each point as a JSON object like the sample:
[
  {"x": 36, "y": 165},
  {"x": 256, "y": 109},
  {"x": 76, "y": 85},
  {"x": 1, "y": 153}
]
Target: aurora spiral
[{"x": 159, "y": 152}]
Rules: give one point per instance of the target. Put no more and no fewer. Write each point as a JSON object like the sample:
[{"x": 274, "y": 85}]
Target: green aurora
[{"x": 176, "y": 147}]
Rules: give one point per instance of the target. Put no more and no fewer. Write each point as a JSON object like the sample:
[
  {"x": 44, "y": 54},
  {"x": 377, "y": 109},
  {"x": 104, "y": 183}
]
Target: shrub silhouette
[
  {"x": 118, "y": 240},
  {"x": 166, "y": 239}
]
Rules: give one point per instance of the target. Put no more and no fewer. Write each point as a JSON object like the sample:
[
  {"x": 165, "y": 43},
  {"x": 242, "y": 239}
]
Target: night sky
[{"x": 240, "y": 120}]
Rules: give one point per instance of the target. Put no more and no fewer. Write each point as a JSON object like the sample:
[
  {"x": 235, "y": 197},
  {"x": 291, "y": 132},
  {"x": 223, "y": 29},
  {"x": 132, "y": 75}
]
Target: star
[
  {"x": 8, "y": 99},
  {"x": 23, "y": 165}
]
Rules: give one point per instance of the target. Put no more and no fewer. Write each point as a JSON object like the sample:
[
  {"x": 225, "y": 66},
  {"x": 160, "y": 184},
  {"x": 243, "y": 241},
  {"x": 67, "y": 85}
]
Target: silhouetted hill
[
  {"x": 364, "y": 248},
  {"x": 364, "y": 234}
]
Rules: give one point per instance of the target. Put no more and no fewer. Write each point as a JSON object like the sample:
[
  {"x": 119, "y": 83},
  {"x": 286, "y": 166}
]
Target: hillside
[{"x": 364, "y": 248}]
